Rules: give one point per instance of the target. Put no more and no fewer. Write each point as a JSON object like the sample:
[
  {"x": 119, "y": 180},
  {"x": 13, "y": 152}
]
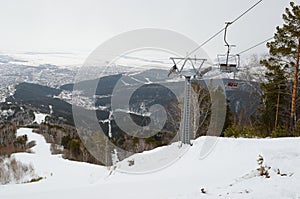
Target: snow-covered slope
[
  {"x": 57, "y": 172},
  {"x": 229, "y": 171},
  {"x": 39, "y": 117}
]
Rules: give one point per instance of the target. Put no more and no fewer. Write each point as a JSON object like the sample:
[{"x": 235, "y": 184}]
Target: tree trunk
[
  {"x": 295, "y": 85},
  {"x": 277, "y": 107}
]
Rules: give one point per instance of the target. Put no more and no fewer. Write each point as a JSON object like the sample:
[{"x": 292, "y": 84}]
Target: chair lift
[{"x": 231, "y": 62}]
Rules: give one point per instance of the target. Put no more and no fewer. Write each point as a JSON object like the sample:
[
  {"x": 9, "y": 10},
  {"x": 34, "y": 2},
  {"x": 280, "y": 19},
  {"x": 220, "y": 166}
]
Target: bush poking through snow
[
  {"x": 203, "y": 191},
  {"x": 35, "y": 179},
  {"x": 13, "y": 171},
  {"x": 263, "y": 170},
  {"x": 130, "y": 163},
  {"x": 30, "y": 144}
]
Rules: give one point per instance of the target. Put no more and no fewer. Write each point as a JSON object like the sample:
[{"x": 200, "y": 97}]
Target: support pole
[
  {"x": 185, "y": 131},
  {"x": 186, "y": 122}
]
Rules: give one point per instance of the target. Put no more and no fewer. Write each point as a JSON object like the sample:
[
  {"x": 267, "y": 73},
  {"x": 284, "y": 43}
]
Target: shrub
[
  {"x": 74, "y": 147},
  {"x": 13, "y": 171},
  {"x": 232, "y": 131},
  {"x": 35, "y": 179},
  {"x": 280, "y": 131},
  {"x": 250, "y": 132},
  {"x": 65, "y": 141},
  {"x": 30, "y": 144},
  {"x": 56, "y": 149},
  {"x": 296, "y": 131},
  {"x": 263, "y": 170},
  {"x": 245, "y": 131}
]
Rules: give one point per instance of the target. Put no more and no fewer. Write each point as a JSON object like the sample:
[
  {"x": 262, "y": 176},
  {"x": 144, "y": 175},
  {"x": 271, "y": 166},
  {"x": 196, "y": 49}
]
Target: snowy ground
[
  {"x": 229, "y": 171},
  {"x": 55, "y": 58},
  {"x": 39, "y": 117}
]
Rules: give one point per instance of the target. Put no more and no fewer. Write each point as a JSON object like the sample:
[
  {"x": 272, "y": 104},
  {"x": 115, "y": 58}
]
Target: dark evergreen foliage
[{"x": 284, "y": 57}]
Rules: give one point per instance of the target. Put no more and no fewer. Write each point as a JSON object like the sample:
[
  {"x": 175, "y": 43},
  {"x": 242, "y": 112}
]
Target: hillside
[{"x": 229, "y": 171}]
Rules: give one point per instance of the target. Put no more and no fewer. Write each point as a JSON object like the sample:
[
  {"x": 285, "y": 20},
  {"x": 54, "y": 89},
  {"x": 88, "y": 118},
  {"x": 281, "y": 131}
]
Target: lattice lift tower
[{"x": 193, "y": 73}]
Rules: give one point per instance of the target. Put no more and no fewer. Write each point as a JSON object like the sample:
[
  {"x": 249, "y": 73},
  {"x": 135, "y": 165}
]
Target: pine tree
[
  {"x": 283, "y": 61},
  {"x": 275, "y": 97}
]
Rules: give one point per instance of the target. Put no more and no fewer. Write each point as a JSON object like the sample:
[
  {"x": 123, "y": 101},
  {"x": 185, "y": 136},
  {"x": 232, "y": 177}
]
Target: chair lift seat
[{"x": 228, "y": 67}]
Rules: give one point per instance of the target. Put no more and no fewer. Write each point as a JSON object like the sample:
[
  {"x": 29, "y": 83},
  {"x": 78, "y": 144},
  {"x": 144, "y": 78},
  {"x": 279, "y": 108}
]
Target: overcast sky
[{"x": 73, "y": 25}]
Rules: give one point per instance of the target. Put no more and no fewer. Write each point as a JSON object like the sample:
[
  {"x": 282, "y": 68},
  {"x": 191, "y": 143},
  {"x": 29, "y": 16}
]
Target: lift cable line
[
  {"x": 217, "y": 33},
  {"x": 220, "y": 31},
  {"x": 250, "y": 48},
  {"x": 258, "y": 44},
  {"x": 198, "y": 74},
  {"x": 185, "y": 130},
  {"x": 246, "y": 11},
  {"x": 195, "y": 73},
  {"x": 232, "y": 63}
]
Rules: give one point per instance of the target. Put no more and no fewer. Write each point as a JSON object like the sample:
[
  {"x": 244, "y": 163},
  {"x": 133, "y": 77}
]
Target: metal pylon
[
  {"x": 186, "y": 122},
  {"x": 188, "y": 74}
]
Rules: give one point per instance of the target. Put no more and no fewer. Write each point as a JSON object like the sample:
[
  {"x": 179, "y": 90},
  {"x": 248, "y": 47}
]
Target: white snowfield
[
  {"x": 229, "y": 171},
  {"x": 39, "y": 117}
]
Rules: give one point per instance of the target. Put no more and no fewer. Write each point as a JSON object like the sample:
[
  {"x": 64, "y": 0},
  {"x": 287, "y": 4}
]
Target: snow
[
  {"x": 51, "y": 109},
  {"x": 137, "y": 80},
  {"x": 148, "y": 81},
  {"x": 41, "y": 148},
  {"x": 72, "y": 59},
  {"x": 152, "y": 161},
  {"x": 229, "y": 171},
  {"x": 39, "y": 117},
  {"x": 126, "y": 84},
  {"x": 57, "y": 173}
]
